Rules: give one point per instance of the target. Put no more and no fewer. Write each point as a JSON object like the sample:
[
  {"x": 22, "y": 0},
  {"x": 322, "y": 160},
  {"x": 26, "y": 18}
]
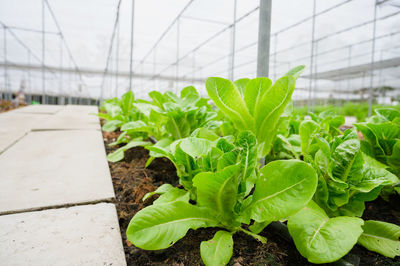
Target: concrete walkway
[{"x": 55, "y": 189}]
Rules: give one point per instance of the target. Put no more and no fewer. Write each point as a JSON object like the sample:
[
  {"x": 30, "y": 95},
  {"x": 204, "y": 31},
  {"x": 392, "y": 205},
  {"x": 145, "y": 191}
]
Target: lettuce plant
[
  {"x": 223, "y": 198},
  {"x": 254, "y": 105},
  {"x": 165, "y": 119},
  {"x": 382, "y": 137},
  {"x": 117, "y": 112},
  {"x": 328, "y": 227}
]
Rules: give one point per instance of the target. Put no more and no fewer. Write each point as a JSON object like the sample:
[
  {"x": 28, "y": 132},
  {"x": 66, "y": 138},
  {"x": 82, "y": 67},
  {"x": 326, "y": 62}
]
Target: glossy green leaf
[
  {"x": 381, "y": 237},
  {"x": 248, "y": 156},
  {"x": 308, "y": 130},
  {"x": 160, "y": 190},
  {"x": 118, "y": 154},
  {"x": 111, "y": 125},
  {"x": 348, "y": 160},
  {"x": 284, "y": 187},
  {"x": 254, "y": 92},
  {"x": 322, "y": 239},
  {"x": 388, "y": 113},
  {"x": 218, "y": 190},
  {"x": 296, "y": 71},
  {"x": 218, "y": 250},
  {"x": 160, "y": 226},
  {"x": 229, "y": 100},
  {"x": 171, "y": 195},
  {"x": 241, "y": 84},
  {"x": 270, "y": 108},
  {"x": 196, "y": 147}
]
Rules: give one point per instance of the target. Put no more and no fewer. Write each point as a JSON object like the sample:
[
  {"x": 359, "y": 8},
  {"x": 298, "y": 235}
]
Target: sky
[{"x": 87, "y": 26}]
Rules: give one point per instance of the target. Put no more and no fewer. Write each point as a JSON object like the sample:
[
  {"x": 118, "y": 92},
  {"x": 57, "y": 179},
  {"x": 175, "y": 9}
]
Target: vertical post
[
  {"x": 69, "y": 84},
  {"x": 348, "y": 80},
  {"x": 177, "y": 53},
  {"x": 233, "y": 43},
  {"x": 5, "y": 62},
  {"x": 117, "y": 62},
  {"x": 309, "y": 108},
  {"x": 29, "y": 82},
  {"x": 275, "y": 51},
  {"x": 315, "y": 77},
  {"x": 193, "y": 66},
  {"x": 131, "y": 57},
  {"x": 371, "y": 82},
  {"x": 61, "y": 72},
  {"x": 154, "y": 66},
  {"x": 381, "y": 91},
  {"x": 43, "y": 54},
  {"x": 264, "y": 31}
]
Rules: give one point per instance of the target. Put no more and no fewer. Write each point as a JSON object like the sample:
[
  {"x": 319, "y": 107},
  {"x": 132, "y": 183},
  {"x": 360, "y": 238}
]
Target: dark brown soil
[
  {"x": 6, "y": 105},
  {"x": 132, "y": 181}
]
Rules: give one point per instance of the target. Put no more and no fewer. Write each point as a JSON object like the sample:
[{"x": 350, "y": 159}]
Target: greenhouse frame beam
[
  {"x": 94, "y": 72},
  {"x": 110, "y": 53},
  {"x": 33, "y": 30},
  {"x": 356, "y": 71},
  {"x": 165, "y": 32},
  {"x": 72, "y": 59},
  {"x": 205, "y": 20},
  {"x": 206, "y": 41}
]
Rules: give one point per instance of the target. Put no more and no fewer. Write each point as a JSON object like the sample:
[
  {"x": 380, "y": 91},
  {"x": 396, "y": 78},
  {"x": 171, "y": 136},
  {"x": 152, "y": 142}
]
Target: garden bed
[
  {"x": 132, "y": 181},
  {"x": 6, "y": 105}
]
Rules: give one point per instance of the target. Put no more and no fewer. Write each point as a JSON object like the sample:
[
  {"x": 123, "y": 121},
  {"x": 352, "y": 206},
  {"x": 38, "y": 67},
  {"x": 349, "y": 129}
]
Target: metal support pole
[
  {"x": 69, "y": 85},
  {"x": 381, "y": 90},
  {"x": 194, "y": 66},
  {"x": 233, "y": 43},
  {"x": 275, "y": 49},
  {"x": 154, "y": 66},
  {"x": 310, "y": 103},
  {"x": 315, "y": 77},
  {"x": 264, "y": 31},
  {"x": 29, "y": 82},
  {"x": 348, "y": 80},
  {"x": 43, "y": 54},
  {"x": 5, "y": 61},
  {"x": 371, "y": 84},
  {"x": 131, "y": 57},
  {"x": 117, "y": 61},
  {"x": 178, "y": 22},
  {"x": 61, "y": 73}
]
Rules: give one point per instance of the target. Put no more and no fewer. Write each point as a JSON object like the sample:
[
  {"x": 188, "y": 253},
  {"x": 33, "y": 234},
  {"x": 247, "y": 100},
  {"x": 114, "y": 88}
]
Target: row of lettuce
[{"x": 316, "y": 177}]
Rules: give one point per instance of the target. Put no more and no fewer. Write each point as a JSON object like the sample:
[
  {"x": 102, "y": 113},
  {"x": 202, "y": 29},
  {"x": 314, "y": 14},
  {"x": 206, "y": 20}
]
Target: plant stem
[{"x": 258, "y": 237}]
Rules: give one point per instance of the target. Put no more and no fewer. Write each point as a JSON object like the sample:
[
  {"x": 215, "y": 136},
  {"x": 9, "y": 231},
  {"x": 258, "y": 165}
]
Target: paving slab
[
  {"x": 15, "y": 125},
  {"x": 80, "y": 235},
  {"x": 82, "y": 108},
  {"x": 71, "y": 118},
  {"x": 40, "y": 109},
  {"x": 53, "y": 168}
]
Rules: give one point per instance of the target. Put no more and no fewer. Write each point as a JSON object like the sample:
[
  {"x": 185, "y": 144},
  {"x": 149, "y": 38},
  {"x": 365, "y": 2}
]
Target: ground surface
[
  {"x": 56, "y": 190},
  {"x": 132, "y": 181}
]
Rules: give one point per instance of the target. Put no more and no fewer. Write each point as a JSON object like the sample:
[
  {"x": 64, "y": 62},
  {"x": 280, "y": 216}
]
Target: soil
[
  {"x": 6, "y": 105},
  {"x": 132, "y": 181}
]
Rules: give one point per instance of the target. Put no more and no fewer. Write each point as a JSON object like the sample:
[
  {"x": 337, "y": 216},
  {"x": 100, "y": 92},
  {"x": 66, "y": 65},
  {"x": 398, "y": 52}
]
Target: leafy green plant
[
  {"x": 254, "y": 105},
  {"x": 224, "y": 199},
  {"x": 328, "y": 227},
  {"x": 117, "y": 112},
  {"x": 382, "y": 137},
  {"x": 165, "y": 119}
]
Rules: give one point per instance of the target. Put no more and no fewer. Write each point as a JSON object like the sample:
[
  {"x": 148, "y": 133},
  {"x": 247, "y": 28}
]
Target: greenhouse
[{"x": 188, "y": 132}]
